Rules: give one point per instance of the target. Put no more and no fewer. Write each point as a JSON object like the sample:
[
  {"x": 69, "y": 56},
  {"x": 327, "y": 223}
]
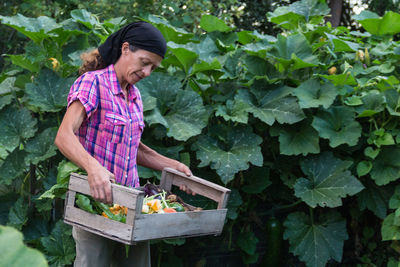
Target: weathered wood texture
[{"x": 141, "y": 227}]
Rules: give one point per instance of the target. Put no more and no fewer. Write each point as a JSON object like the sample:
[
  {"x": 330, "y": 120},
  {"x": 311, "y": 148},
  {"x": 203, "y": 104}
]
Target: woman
[{"x": 101, "y": 131}]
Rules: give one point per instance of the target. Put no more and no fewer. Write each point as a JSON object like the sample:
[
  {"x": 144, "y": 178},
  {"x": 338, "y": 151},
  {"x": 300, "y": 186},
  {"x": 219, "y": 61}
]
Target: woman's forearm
[{"x": 149, "y": 158}]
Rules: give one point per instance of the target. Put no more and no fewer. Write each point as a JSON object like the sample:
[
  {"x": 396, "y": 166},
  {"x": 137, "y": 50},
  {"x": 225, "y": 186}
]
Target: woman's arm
[
  {"x": 149, "y": 158},
  {"x": 69, "y": 145}
]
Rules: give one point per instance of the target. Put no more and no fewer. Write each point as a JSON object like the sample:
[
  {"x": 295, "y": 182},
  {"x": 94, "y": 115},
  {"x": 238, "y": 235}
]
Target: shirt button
[
  {"x": 129, "y": 157},
  {"x": 130, "y": 138},
  {"x": 126, "y": 175},
  {"x": 130, "y": 120}
]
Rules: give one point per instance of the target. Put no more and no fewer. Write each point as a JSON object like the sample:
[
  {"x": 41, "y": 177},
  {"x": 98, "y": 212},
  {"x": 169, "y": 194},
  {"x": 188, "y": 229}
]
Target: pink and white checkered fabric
[{"x": 111, "y": 133}]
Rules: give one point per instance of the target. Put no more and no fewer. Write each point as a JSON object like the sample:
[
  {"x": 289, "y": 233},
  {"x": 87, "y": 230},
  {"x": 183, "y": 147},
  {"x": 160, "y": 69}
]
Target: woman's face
[{"x": 131, "y": 67}]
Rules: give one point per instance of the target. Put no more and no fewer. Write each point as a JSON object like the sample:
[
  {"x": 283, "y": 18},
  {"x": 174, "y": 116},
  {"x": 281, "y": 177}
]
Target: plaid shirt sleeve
[{"x": 85, "y": 89}]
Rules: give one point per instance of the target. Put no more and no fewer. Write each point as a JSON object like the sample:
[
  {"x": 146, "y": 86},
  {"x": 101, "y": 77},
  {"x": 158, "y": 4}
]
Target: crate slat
[
  {"x": 170, "y": 225},
  {"x": 98, "y": 224}
]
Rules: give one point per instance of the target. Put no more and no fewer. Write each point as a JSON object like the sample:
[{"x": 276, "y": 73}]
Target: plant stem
[
  {"x": 280, "y": 208},
  {"x": 312, "y": 215}
]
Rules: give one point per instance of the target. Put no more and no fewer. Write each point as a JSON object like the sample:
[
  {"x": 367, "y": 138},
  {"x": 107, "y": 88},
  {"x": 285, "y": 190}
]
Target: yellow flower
[
  {"x": 154, "y": 204},
  {"x": 332, "y": 70},
  {"x": 55, "y": 63}
]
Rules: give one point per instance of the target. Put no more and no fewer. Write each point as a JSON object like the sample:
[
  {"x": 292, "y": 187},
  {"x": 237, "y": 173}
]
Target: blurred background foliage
[{"x": 242, "y": 14}]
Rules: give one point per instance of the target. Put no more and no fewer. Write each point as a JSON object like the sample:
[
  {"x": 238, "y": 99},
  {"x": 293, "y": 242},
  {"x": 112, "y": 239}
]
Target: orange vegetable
[
  {"x": 154, "y": 204},
  {"x": 104, "y": 214},
  {"x": 169, "y": 210}
]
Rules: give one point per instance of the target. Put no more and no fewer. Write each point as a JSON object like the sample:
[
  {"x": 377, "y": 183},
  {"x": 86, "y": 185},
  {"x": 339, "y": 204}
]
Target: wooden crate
[{"x": 140, "y": 227}]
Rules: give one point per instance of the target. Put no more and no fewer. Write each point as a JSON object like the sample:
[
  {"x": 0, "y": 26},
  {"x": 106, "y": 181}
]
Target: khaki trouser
[{"x": 96, "y": 251}]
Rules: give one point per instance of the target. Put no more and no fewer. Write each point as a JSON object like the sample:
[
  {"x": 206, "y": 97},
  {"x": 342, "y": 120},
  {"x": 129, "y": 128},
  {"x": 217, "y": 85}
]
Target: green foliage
[
  {"x": 14, "y": 252},
  {"x": 315, "y": 242},
  {"x": 266, "y": 116},
  {"x": 59, "y": 246},
  {"x": 328, "y": 180}
]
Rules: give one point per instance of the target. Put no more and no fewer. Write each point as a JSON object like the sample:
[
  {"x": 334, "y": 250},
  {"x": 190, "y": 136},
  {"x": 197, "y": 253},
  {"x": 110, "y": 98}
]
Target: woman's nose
[{"x": 147, "y": 71}]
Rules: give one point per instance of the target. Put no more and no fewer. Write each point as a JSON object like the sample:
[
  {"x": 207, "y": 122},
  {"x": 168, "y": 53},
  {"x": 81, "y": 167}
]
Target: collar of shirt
[{"x": 116, "y": 87}]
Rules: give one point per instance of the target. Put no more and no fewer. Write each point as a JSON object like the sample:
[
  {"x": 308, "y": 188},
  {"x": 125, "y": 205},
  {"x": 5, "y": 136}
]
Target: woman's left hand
[{"x": 185, "y": 169}]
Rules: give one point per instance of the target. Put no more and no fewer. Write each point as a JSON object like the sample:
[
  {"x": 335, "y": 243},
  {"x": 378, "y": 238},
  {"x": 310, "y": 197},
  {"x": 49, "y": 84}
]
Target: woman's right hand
[{"x": 100, "y": 179}]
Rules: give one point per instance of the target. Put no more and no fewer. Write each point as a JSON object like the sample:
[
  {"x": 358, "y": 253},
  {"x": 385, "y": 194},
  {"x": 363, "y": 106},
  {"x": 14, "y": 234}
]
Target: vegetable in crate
[
  {"x": 114, "y": 212},
  {"x": 157, "y": 200}
]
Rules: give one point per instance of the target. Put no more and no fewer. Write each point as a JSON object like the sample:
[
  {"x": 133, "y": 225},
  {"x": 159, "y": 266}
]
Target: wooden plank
[
  {"x": 122, "y": 195},
  {"x": 166, "y": 180},
  {"x": 70, "y": 198},
  {"x": 198, "y": 185},
  {"x": 181, "y": 224},
  {"x": 98, "y": 224},
  {"x": 224, "y": 200}
]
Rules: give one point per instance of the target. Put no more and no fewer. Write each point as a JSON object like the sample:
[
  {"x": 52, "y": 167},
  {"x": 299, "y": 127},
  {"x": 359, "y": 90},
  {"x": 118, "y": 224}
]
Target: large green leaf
[
  {"x": 180, "y": 111},
  {"x": 235, "y": 201},
  {"x": 289, "y": 16},
  {"x": 312, "y": 94},
  {"x": 13, "y": 166},
  {"x": 247, "y": 241},
  {"x": 260, "y": 67},
  {"x": 316, "y": 241},
  {"x": 17, "y": 215},
  {"x": 64, "y": 170},
  {"x": 49, "y": 91},
  {"x": 35, "y": 29},
  {"x": 328, "y": 180},
  {"x": 390, "y": 230},
  {"x": 59, "y": 246},
  {"x": 386, "y": 167},
  {"x": 294, "y": 50},
  {"x": 68, "y": 29},
  {"x": 235, "y": 112},
  {"x": 17, "y": 125},
  {"x": 270, "y": 105},
  {"x": 14, "y": 253},
  {"x": 257, "y": 179},
  {"x": 41, "y": 147},
  {"x": 207, "y": 50},
  {"x": 230, "y": 151},
  {"x": 374, "y": 198},
  {"x": 211, "y": 23},
  {"x": 392, "y": 98},
  {"x": 185, "y": 56},
  {"x": 170, "y": 33},
  {"x": 388, "y": 24},
  {"x": 342, "y": 79},
  {"x": 337, "y": 124},
  {"x": 36, "y": 227},
  {"x": 340, "y": 45},
  {"x": 85, "y": 17},
  {"x": 372, "y": 104},
  {"x": 45, "y": 200},
  {"x": 4, "y": 101},
  {"x": 7, "y": 86},
  {"x": 25, "y": 62},
  {"x": 299, "y": 138}
]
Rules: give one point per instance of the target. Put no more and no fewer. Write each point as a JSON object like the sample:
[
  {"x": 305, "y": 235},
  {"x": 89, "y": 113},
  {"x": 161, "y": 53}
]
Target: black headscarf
[{"x": 140, "y": 34}]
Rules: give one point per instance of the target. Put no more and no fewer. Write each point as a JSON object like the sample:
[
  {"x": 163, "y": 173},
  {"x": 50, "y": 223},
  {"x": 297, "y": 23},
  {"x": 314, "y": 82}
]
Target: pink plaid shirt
[{"x": 111, "y": 133}]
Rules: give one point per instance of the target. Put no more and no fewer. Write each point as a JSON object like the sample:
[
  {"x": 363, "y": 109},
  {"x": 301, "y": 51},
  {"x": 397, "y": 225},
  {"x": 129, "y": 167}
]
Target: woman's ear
[{"x": 125, "y": 47}]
